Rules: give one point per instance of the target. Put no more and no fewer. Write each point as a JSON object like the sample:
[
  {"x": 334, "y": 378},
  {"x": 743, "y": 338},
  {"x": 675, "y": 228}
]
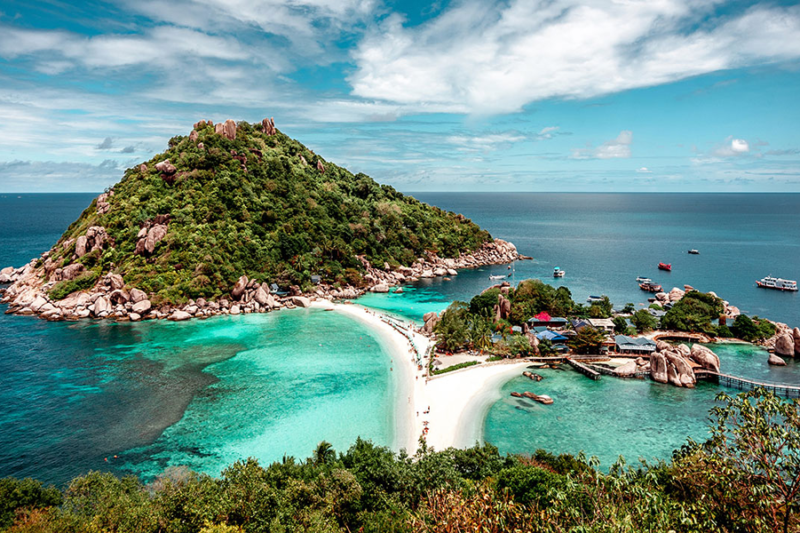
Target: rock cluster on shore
[
  {"x": 785, "y": 343},
  {"x": 112, "y": 298},
  {"x": 675, "y": 364}
]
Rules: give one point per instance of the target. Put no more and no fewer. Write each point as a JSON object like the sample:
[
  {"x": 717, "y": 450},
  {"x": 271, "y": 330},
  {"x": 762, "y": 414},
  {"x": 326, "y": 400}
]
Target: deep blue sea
[{"x": 75, "y": 395}]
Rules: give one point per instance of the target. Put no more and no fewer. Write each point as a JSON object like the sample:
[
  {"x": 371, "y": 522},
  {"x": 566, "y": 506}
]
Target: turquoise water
[
  {"x": 613, "y": 417},
  {"x": 205, "y": 393},
  {"x": 159, "y": 394}
]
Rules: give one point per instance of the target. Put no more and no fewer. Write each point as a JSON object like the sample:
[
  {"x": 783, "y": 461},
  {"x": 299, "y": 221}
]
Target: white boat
[
  {"x": 497, "y": 277},
  {"x": 778, "y": 284},
  {"x": 642, "y": 279},
  {"x": 592, "y": 298},
  {"x": 558, "y": 273}
]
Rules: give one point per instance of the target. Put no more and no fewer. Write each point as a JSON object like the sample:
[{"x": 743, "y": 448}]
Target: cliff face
[{"x": 244, "y": 200}]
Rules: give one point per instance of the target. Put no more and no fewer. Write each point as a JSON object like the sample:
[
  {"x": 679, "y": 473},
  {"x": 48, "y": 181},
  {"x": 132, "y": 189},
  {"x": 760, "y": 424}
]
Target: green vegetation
[
  {"x": 745, "y": 478},
  {"x": 752, "y": 330},
  {"x": 459, "y": 366},
  {"x": 644, "y": 321},
  {"x": 587, "y": 341},
  {"x": 694, "y": 312},
  {"x": 64, "y": 288},
  {"x": 258, "y": 205}
]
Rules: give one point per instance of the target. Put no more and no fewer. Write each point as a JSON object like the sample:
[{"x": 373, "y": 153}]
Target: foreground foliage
[{"x": 744, "y": 479}]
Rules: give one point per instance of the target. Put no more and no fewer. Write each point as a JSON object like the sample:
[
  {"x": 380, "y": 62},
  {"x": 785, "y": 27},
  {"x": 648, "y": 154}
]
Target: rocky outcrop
[
  {"x": 320, "y": 166},
  {"x": 193, "y": 136},
  {"x": 704, "y": 357},
  {"x": 430, "y": 320},
  {"x": 628, "y": 369},
  {"x": 502, "y": 308},
  {"x": 96, "y": 238},
  {"x": 102, "y": 202},
  {"x": 785, "y": 345},
  {"x": 166, "y": 168},
  {"x": 240, "y": 287},
  {"x": 796, "y": 335},
  {"x": 178, "y": 316},
  {"x": 226, "y": 129},
  {"x": 150, "y": 234},
  {"x": 381, "y": 287},
  {"x": 268, "y": 126},
  {"x": 658, "y": 368},
  {"x": 300, "y": 301},
  {"x": 675, "y": 294}
]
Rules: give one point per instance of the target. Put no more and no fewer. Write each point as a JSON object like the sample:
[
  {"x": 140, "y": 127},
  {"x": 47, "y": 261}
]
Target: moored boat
[
  {"x": 778, "y": 284},
  {"x": 642, "y": 279},
  {"x": 592, "y": 298},
  {"x": 497, "y": 277},
  {"x": 650, "y": 287},
  {"x": 558, "y": 273},
  {"x": 665, "y": 266},
  {"x": 694, "y": 251}
]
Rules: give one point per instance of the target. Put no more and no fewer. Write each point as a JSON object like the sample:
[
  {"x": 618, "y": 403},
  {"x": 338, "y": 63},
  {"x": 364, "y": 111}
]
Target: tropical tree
[
  {"x": 587, "y": 341},
  {"x": 480, "y": 332},
  {"x": 644, "y": 321},
  {"x": 519, "y": 345},
  {"x": 452, "y": 330},
  {"x": 620, "y": 324}
]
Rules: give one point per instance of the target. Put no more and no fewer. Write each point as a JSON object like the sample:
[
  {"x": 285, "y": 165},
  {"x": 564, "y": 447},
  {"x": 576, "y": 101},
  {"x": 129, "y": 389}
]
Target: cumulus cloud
[
  {"x": 485, "y": 142},
  {"x": 644, "y": 170},
  {"x": 739, "y": 146},
  {"x": 732, "y": 148},
  {"x": 488, "y": 58},
  {"x": 618, "y": 148}
]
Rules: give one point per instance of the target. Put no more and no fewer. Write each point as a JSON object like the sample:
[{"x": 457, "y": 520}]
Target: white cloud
[
  {"x": 484, "y": 142},
  {"x": 618, "y": 148},
  {"x": 739, "y": 146},
  {"x": 547, "y": 133},
  {"x": 496, "y": 59},
  {"x": 644, "y": 170}
]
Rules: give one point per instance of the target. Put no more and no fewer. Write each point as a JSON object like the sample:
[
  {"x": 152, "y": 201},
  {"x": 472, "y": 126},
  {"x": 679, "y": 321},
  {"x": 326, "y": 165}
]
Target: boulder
[
  {"x": 785, "y": 344},
  {"x": 235, "y": 310},
  {"x": 381, "y": 287},
  {"x": 300, "y": 301},
  {"x": 320, "y": 166},
  {"x": 658, "y": 368},
  {"x": 451, "y": 272},
  {"x": 72, "y": 271},
  {"x": 682, "y": 368},
  {"x": 672, "y": 375},
  {"x": 628, "y": 369},
  {"x": 268, "y": 127},
  {"x": 119, "y": 296},
  {"x": 504, "y": 306},
  {"x": 193, "y": 136},
  {"x": 166, "y": 168},
  {"x": 705, "y": 357},
  {"x": 240, "y": 287},
  {"x": 440, "y": 272},
  {"x": 102, "y": 306},
  {"x": 141, "y": 307},
  {"x": 134, "y": 317},
  {"x": 143, "y": 168},
  {"x": 138, "y": 296},
  {"x": 775, "y": 360},
  {"x": 684, "y": 350},
  {"x": 675, "y": 294},
  {"x": 796, "y": 335},
  {"x": 179, "y": 315},
  {"x": 115, "y": 281},
  {"x": 80, "y": 246},
  {"x": 662, "y": 346},
  {"x": 37, "y": 304},
  {"x": 261, "y": 296}
]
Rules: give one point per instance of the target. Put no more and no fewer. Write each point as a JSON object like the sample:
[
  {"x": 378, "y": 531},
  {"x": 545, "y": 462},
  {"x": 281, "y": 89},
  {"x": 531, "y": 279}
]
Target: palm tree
[{"x": 324, "y": 453}]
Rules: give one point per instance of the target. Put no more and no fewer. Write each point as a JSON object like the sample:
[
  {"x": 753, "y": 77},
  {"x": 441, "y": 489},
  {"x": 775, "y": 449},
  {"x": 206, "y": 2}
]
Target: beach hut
[
  {"x": 551, "y": 336},
  {"x": 544, "y": 319}
]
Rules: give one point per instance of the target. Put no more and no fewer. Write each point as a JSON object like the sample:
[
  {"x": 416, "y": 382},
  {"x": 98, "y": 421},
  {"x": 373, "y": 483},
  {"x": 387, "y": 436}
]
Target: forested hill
[{"x": 232, "y": 199}]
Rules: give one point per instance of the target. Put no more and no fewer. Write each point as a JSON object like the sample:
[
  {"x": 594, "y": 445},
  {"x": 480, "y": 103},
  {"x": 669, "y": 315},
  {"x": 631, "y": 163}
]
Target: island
[{"x": 237, "y": 218}]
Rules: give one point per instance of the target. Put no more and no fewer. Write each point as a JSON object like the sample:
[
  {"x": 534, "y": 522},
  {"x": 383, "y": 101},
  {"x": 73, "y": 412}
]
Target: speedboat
[
  {"x": 497, "y": 277},
  {"x": 665, "y": 266},
  {"x": 642, "y": 279},
  {"x": 558, "y": 273},
  {"x": 778, "y": 284},
  {"x": 592, "y": 298},
  {"x": 693, "y": 251}
]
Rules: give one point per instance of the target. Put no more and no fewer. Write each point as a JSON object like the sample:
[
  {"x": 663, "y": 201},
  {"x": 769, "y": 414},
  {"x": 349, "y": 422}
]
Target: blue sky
[{"x": 627, "y": 95}]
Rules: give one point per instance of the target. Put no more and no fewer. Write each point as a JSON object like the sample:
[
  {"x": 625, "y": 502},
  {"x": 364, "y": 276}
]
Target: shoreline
[{"x": 456, "y": 403}]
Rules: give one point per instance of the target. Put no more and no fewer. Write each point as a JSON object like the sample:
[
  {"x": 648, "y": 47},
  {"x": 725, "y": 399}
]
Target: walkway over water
[
  {"x": 583, "y": 369},
  {"x": 780, "y": 389}
]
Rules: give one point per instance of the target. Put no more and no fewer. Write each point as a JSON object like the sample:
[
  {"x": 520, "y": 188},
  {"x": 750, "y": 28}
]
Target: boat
[
  {"x": 665, "y": 266},
  {"x": 642, "y": 279},
  {"x": 693, "y": 251},
  {"x": 779, "y": 284},
  {"x": 558, "y": 273},
  {"x": 497, "y": 277},
  {"x": 592, "y": 298},
  {"x": 650, "y": 287}
]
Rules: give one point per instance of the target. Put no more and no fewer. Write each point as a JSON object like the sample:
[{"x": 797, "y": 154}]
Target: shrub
[{"x": 62, "y": 289}]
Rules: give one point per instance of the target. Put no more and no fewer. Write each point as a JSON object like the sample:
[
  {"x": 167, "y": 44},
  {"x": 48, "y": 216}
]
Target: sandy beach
[{"x": 451, "y": 406}]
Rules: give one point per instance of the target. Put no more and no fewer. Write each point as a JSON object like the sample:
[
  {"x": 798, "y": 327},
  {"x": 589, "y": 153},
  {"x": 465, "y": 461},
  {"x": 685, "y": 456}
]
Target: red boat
[{"x": 665, "y": 266}]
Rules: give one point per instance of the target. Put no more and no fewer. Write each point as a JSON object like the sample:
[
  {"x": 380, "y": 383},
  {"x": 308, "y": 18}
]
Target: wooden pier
[
  {"x": 779, "y": 389},
  {"x": 583, "y": 369}
]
